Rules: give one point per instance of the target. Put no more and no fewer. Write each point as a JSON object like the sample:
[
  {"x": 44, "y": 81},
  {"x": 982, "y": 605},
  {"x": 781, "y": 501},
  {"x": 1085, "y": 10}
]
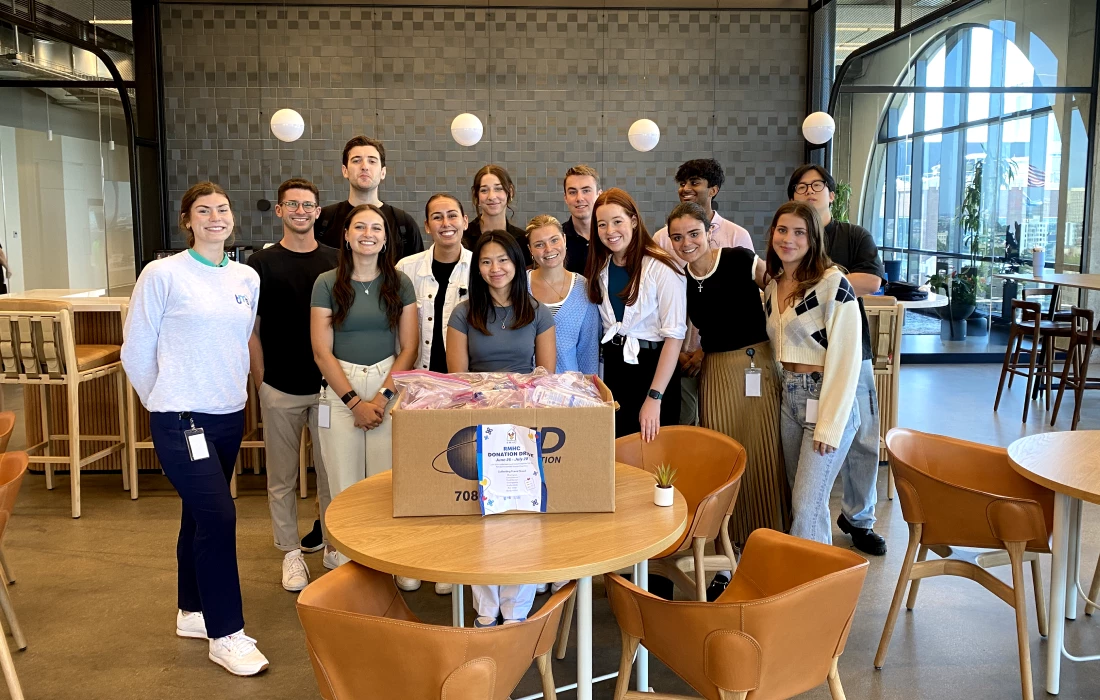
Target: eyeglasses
[
  {"x": 804, "y": 187},
  {"x": 293, "y": 206}
]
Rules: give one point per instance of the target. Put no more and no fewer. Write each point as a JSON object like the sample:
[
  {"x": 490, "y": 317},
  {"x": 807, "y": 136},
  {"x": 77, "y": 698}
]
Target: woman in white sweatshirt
[{"x": 186, "y": 354}]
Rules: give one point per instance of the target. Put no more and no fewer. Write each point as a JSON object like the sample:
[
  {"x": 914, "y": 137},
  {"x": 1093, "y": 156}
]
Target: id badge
[
  {"x": 324, "y": 413},
  {"x": 196, "y": 444},
  {"x": 752, "y": 381},
  {"x": 811, "y": 410}
]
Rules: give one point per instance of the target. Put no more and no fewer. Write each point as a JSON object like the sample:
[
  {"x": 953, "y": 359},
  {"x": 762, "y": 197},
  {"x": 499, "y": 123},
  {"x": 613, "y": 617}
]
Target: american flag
[{"x": 1035, "y": 177}]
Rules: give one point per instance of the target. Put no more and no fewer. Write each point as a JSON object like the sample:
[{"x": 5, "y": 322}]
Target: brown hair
[
  {"x": 297, "y": 183},
  {"x": 442, "y": 195},
  {"x": 812, "y": 267},
  {"x": 343, "y": 294},
  {"x": 502, "y": 175},
  {"x": 688, "y": 209},
  {"x": 200, "y": 189},
  {"x": 357, "y": 141},
  {"x": 641, "y": 245},
  {"x": 581, "y": 170}
]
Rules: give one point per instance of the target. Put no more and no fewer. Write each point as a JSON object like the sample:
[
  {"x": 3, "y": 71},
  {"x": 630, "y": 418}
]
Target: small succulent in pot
[{"x": 665, "y": 476}]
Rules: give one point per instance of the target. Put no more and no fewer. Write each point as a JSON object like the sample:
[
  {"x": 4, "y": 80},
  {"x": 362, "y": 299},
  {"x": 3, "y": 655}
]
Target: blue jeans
[
  {"x": 810, "y": 475},
  {"x": 859, "y": 475}
]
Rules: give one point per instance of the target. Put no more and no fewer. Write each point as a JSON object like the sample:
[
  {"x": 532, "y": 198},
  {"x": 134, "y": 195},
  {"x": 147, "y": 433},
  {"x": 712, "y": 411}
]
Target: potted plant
[
  {"x": 838, "y": 210},
  {"x": 961, "y": 290},
  {"x": 662, "y": 491}
]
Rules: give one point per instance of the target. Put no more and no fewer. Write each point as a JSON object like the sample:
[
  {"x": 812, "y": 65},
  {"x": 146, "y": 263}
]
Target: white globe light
[
  {"x": 644, "y": 135},
  {"x": 466, "y": 129},
  {"x": 287, "y": 125},
  {"x": 818, "y": 128}
]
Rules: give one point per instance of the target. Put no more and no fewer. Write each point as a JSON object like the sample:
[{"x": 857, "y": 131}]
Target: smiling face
[
  {"x": 689, "y": 238},
  {"x": 695, "y": 189},
  {"x": 790, "y": 239},
  {"x": 547, "y": 246},
  {"x": 210, "y": 219},
  {"x": 580, "y": 193},
  {"x": 299, "y": 220},
  {"x": 615, "y": 228},
  {"x": 492, "y": 198},
  {"x": 366, "y": 233},
  {"x": 819, "y": 200},
  {"x": 364, "y": 169},
  {"x": 496, "y": 267},
  {"x": 446, "y": 222}
]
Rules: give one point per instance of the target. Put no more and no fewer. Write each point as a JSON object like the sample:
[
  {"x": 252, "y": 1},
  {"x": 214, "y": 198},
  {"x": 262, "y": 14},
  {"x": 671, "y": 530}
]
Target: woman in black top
[
  {"x": 738, "y": 387},
  {"x": 493, "y": 193}
]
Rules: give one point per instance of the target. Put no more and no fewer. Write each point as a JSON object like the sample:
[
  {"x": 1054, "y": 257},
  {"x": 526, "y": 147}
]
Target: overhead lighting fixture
[{"x": 110, "y": 21}]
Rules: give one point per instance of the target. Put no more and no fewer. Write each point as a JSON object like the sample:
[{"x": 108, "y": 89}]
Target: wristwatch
[
  {"x": 654, "y": 394},
  {"x": 387, "y": 393},
  {"x": 348, "y": 397}
]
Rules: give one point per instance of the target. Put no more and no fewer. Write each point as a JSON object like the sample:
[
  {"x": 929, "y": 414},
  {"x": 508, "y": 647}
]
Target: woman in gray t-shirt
[{"x": 500, "y": 328}]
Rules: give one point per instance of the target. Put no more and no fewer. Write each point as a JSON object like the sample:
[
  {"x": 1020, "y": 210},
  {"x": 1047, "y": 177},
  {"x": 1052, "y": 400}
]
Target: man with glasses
[
  {"x": 853, "y": 248},
  {"x": 286, "y": 378}
]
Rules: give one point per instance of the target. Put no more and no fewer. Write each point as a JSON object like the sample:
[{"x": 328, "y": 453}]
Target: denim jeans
[
  {"x": 859, "y": 475},
  {"x": 810, "y": 475}
]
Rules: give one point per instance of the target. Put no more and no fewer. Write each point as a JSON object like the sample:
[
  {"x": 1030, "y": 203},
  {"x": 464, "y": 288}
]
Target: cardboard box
[{"x": 435, "y": 457}]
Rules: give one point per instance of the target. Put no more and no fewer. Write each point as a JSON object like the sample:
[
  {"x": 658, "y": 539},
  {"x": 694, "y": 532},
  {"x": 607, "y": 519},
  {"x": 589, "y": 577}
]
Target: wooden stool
[
  {"x": 1075, "y": 371},
  {"x": 1029, "y": 325}
]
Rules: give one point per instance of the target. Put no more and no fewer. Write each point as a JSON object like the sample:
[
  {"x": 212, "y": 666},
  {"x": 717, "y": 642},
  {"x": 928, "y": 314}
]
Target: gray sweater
[{"x": 186, "y": 335}]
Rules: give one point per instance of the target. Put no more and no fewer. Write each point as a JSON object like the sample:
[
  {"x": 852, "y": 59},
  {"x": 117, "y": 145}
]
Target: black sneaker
[
  {"x": 315, "y": 540},
  {"x": 717, "y": 587},
  {"x": 864, "y": 538}
]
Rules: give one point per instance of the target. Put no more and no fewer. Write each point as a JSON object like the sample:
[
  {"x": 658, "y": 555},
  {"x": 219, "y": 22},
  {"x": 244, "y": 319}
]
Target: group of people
[{"x": 322, "y": 318}]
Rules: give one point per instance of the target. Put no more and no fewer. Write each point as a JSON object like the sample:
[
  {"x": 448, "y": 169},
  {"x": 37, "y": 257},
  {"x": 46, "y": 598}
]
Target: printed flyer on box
[{"x": 509, "y": 469}]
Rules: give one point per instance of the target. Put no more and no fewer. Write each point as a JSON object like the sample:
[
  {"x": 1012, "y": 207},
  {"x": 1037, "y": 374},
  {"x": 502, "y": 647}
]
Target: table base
[{"x": 1065, "y": 576}]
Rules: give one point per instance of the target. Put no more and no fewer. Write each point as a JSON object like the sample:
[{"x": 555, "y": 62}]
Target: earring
[{"x": 347, "y": 245}]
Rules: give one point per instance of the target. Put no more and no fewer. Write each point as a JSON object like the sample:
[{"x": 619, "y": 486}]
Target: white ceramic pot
[{"x": 663, "y": 496}]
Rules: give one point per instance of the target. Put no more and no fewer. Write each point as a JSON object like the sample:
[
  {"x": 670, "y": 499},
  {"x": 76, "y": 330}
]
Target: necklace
[
  {"x": 367, "y": 285},
  {"x": 713, "y": 268},
  {"x": 561, "y": 295}
]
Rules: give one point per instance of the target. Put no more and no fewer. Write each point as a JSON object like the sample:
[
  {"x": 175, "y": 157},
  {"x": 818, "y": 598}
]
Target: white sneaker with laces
[
  {"x": 295, "y": 571},
  {"x": 443, "y": 588},
  {"x": 191, "y": 625},
  {"x": 542, "y": 588},
  {"x": 237, "y": 653},
  {"x": 331, "y": 559},
  {"x": 407, "y": 584}
]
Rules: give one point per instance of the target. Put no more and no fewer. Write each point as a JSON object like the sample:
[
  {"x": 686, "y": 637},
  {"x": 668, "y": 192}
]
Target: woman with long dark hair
[
  {"x": 814, "y": 326},
  {"x": 492, "y": 193},
  {"x": 641, "y": 293},
  {"x": 359, "y": 311},
  {"x": 500, "y": 328}
]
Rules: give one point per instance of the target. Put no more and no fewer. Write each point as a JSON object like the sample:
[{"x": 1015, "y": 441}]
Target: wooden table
[
  {"x": 1069, "y": 464},
  {"x": 512, "y": 548},
  {"x": 1059, "y": 279}
]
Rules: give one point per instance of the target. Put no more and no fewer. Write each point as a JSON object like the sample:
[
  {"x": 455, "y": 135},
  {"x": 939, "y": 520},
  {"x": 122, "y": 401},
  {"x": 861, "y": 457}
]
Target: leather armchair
[
  {"x": 13, "y": 467},
  {"x": 955, "y": 493},
  {"x": 364, "y": 642},
  {"x": 775, "y": 632}
]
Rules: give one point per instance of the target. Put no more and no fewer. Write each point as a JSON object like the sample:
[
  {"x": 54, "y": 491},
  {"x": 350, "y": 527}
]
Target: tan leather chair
[
  {"x": 709, "y": 466},
  {"x": 38, "y": 348},
  {"x": 776, "y": 631},
  {"x": 961, "y": 494},
  {"x": 7, "y": 427},
  {"x": 364, "y": 642},
  {"x": 13, "y": 466}
]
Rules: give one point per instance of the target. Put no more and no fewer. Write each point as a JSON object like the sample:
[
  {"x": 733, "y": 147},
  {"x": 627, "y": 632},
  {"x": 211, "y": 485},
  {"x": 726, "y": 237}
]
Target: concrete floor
[{"x": 96, "y": 596}]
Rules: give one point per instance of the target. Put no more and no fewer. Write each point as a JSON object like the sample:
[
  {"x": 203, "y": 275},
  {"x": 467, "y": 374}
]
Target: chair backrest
[
  {"x": 884, "y": 320},
  {"x": 7, "y": 427},
  {"x": 775, "y": 645},
  {"x": 709, "y": 466},
  {"x": 1052, "y": 305},
  {"x": 36, "y": 340},
  {"x": 967, "y": 494},
  {"x": 364, "y": 642},
  {"x": 13, "y": 466},
  {"x": 1082, "y": 328}
]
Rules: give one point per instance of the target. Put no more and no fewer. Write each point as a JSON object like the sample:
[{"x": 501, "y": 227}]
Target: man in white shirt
[{"x": 700, "y": 181}]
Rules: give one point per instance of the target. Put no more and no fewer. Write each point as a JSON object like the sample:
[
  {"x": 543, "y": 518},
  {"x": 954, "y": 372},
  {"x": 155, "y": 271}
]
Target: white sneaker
[
  {"x": 295, "y": 571},
  {"x": 330, "y": 561},
  {"x": 407, "y": 584},
  {"x": 191, "y": 625},
  {"x": 542, "y": 588},
  {"x": 237, "y": 654},
  {"x": 443, "y": 588}
]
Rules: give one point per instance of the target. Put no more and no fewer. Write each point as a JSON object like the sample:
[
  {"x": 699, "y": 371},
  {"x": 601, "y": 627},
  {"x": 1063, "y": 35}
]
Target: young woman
[
  {"x": 576, "y": 319},
  {"x": 500, "y": 328},
  {"x": 814, "y": 326},
  {"x": 359, "y": 311},
  {"x": 493, "y": 193},
  {"x": 641, "y": 294},
  {"x": 186, "y": 354}
]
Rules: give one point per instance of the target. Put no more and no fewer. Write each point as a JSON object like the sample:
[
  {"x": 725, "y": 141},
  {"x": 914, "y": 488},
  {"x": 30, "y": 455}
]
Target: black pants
[
  {"x": 206, "y": 551},
  {"x": 630, "y": 384}
]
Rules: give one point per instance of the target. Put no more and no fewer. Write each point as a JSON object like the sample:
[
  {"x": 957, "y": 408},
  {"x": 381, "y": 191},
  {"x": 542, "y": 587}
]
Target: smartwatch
[
  {"x": 654, "y": 394},
  {"x": 387, "y": 393}
]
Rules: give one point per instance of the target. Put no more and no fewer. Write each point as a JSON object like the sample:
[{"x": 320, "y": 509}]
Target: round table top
[
  {"x": 932, "y": 301},
  {"x": 1066, "y": 462},
  {"x": 512, "y": 548}
]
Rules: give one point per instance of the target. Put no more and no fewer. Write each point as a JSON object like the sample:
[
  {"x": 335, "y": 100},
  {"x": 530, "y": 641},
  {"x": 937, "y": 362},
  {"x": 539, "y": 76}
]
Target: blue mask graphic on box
[{"x": 460, "y": 457}]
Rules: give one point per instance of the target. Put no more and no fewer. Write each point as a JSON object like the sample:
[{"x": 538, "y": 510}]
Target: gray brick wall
[{"x": 553, "y": 86}]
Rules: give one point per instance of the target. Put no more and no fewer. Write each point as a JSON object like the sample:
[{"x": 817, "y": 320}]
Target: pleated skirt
[{"x": 765, "y": 497}]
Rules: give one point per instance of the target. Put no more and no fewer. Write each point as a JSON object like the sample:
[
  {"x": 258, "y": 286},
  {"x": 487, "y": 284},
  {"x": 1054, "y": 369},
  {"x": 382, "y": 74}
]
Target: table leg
[
  {"x": 456, "y": 606},
  {"x": 584, "y": 638},
  {"x": 641, "y": 661},
  {"x": 1073, "y": 561},
  {"x": 1056, "y": 619}
]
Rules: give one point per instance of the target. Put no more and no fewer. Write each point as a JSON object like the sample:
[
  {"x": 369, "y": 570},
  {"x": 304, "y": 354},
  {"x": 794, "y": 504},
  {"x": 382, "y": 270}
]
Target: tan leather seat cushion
[{"x": 92, "y": 356}]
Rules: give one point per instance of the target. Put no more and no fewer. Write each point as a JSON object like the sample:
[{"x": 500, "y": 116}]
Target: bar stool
[
  {"x": 38, "y": 348},
  {"x": 1029, "y": 326},
  {"x": 1075, "y": 371}
]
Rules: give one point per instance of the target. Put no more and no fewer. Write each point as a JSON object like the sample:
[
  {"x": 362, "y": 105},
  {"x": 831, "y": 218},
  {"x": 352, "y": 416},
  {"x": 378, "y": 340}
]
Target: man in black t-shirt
[
  {"x": 582, "y": 187},
  {"x": 364, "y": 167},
  {"x": 853, "y": 248},
  {"x": 286, "y": 377}
]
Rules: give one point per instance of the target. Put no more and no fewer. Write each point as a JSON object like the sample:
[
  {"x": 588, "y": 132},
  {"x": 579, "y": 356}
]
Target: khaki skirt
[{"x": 765, "y": 496}]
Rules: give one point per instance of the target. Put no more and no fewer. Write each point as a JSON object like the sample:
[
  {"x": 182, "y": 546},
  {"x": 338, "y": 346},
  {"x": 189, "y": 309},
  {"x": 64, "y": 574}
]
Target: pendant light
[
  {"x": 644, "y": 134},
  {"x": 49, "y": 131},
  {"x": 287, "y": 124},
  {"x": 818, "y": 128},
  {"x": 466, "y": 128}
]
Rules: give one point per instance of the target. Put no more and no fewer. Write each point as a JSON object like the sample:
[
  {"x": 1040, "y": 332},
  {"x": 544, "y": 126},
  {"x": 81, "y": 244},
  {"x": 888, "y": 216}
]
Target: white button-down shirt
[
  {"x": 418, "y": 268},
  {"x": 659, "y": 313}
]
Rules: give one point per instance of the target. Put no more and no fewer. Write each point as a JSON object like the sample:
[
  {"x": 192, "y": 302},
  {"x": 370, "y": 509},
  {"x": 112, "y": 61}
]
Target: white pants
[{"x": 513, "y": 602}]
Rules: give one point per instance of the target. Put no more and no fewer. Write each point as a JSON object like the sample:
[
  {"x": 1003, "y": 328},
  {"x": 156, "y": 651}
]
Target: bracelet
[
  {"x": 348, "y": 397},
  {"x": 352, "y": 407}
]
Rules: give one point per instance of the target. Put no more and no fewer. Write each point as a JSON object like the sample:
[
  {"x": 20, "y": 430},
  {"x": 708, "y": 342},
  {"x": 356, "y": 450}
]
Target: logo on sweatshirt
[{"x": 241, "y": 299}]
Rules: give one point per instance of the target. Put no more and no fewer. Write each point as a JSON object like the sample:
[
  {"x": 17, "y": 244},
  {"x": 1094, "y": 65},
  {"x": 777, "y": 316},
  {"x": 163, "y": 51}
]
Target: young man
[
  {"x": 365, "y": 168},
  {"x": 582, "y": 186},
  {"x": 853, "y": 248},
  {"x": 283, "y": 370},
  {"x": 440, "y": 276},
  {"x": 700, "y": 181}
]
